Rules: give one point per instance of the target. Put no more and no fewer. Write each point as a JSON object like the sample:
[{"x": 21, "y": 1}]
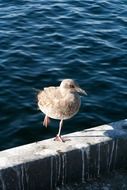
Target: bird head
[{"x": 72, "y": 87}]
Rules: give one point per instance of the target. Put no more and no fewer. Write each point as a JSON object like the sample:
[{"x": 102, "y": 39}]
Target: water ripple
[{"x": 43, "y": 42}]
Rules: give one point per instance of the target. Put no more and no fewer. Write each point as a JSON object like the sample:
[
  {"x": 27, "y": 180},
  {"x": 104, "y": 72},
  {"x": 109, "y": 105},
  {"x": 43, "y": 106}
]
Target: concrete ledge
[{"x": 46, "y": 164}]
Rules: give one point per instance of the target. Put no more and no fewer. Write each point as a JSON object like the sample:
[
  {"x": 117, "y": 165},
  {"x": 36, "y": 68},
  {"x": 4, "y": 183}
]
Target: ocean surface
[{"x": 45, "y": 41}]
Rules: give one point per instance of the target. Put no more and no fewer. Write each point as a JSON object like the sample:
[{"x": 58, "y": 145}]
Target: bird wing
[{"x": 49, "y": 96}]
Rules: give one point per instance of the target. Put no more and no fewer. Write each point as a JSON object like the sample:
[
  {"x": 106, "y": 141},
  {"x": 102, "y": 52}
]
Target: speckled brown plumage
[{"x": 61, "y": 102}]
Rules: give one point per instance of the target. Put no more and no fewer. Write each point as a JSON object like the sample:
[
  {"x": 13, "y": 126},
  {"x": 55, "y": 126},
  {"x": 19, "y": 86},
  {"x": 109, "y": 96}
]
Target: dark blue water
[{"x": 43, "y": 42}]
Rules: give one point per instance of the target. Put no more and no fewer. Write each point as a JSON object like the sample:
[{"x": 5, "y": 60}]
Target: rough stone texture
[
  {"x": 113, "y": 181},
  {"x": 44, "y": 165}
]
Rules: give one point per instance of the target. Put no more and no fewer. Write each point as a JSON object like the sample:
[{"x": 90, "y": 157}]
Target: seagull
[{"x": 61, "y": 102}]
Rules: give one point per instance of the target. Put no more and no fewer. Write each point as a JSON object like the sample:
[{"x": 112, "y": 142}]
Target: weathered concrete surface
[
  {"x": 47, "y": 164},
  {"x": 114, "y": 181}
]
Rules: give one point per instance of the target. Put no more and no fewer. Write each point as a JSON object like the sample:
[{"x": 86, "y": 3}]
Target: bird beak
[{"x": 81, "y": 91}]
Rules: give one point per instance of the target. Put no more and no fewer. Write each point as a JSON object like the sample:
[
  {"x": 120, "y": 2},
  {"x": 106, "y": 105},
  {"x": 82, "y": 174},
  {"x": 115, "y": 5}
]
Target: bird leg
[
  {"x": 58, "y": 137},
  {"x": 46, "y": 121}
]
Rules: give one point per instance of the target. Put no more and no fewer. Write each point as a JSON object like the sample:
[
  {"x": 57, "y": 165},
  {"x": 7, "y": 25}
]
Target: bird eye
[{"x": 71, "y": 86}]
